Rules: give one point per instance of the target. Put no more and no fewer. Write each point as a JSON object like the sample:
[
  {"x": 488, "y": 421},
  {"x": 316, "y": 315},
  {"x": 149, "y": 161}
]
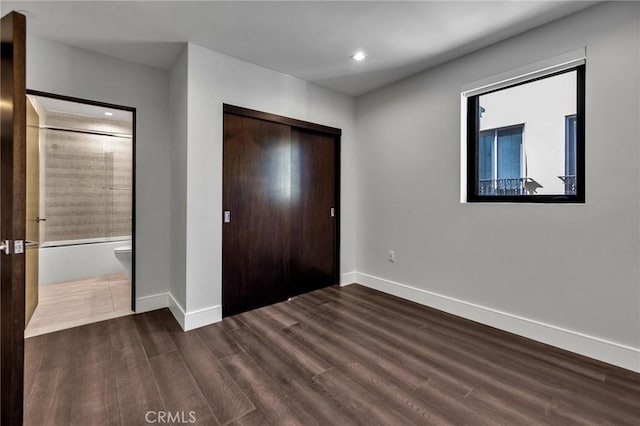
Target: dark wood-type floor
[{"x": 337, "y": 356}]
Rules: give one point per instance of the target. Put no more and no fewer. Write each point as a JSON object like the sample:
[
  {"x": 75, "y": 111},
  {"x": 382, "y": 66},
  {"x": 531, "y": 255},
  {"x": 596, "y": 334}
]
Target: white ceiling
[{"x": 309, "y": 40}]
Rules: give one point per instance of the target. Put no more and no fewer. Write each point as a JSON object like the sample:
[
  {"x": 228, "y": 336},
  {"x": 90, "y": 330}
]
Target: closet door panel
[
  {"x": 313, "y": 228},
  {"x": 257, "y": 195}
]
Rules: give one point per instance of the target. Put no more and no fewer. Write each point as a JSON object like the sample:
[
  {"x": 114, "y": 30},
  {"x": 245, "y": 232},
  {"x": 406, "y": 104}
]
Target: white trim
[
  {"x": 348, "y": 278},
  {"x": 611, "y": 352},
  {"x": 202, "y": 317},
  {"x": 151, "y": 303},
  {"x": 194, "y": 319},
  {"x": 177, "y": 310},
  {"x": 463, "y": 148},
  {"x": 528, "y": 72}
]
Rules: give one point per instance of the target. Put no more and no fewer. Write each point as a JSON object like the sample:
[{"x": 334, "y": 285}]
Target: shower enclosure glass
[{"x": 87, "y": 171}]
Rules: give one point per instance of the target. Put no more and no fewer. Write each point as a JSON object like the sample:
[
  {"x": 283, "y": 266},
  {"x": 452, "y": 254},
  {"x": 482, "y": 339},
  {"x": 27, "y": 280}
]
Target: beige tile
[
  {"x": 74, "y": 303},
  {"x": 116, "y": 277},
  {"x": 121, "y": 294}
]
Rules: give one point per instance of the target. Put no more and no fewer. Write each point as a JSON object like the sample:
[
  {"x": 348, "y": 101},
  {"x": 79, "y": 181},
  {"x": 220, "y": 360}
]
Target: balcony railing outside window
[
  {"x": 507, "y": 186},
  {"x": 569, "y": 184}
]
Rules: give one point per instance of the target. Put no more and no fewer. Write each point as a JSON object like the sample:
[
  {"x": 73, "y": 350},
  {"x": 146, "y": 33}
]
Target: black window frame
[{"x": 473, "y": 132}]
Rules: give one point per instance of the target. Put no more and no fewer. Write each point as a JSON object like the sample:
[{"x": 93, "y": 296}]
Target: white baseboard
[
  {"x": 194, "y": 319},
  {"x": 151, "y": 303},
  {"x": 177, "y": 310},
  {"x": 348, "y": 278},
  {"x": 593, "y": 347},
  {"x": 202, "y": 317}
]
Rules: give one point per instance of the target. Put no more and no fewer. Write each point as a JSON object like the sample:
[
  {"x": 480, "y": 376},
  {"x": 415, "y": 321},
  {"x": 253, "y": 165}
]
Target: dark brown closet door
[
  {"x": 257, "y": 195},
  {"x": 313, "y": 230}
]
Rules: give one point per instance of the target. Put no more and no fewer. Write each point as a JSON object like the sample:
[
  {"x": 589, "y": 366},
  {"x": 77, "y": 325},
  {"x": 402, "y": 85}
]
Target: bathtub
[{"x": 79, "y": 259}]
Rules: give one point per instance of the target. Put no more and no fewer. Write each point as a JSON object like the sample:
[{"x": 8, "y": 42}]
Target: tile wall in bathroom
[{"x": 86, "y": 179}]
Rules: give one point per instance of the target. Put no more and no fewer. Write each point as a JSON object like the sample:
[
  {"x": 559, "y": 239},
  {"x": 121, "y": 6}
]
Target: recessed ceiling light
[
  {"x": 108, "y": 114},
  {"x": 358, "y": 56}
]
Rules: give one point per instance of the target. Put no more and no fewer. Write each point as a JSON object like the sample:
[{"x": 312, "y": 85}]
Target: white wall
[
  {"x": 564, "y": 274},
  {"x": 214, "y": 79},
  {"x": 61, "y": 69},
  {"x": 178, "y": 99}
]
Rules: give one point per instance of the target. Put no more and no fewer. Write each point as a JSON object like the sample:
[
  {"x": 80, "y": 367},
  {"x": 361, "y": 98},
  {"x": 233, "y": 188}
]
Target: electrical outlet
[{"x": 392, "y": 256}]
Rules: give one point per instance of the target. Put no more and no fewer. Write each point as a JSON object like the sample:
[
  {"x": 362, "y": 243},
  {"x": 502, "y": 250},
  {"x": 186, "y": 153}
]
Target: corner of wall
[
  {"x": 194, "y": 319},
  {"x": 187, "y": 320},
  {"x": 178, "y": 92},
  {"x": 177, "y": 311},
  {"x": 348, "y": 278}
]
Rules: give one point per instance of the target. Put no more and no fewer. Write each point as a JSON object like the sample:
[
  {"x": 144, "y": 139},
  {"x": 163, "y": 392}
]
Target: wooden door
[
  {"x": 313, "y": 236},
  {"x": 33, "y": 212},
  {"x": 257, "y": 197},
  {"x": 13, "y": 129},
  {"x": 280, "y": 188}
]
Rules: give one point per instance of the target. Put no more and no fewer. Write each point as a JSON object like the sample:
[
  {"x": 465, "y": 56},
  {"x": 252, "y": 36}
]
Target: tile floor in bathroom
[{"x": 73, "y": 303}]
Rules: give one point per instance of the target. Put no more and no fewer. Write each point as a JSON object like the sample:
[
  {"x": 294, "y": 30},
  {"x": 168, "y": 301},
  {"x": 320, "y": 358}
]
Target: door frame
[
  {"x": 133, "y": 170},
  {"x": 327, "y": 130}
]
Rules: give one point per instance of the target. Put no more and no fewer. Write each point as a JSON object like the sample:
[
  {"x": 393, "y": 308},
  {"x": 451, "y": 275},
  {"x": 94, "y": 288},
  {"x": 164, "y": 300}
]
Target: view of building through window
[{"x": 526, "y": 143}]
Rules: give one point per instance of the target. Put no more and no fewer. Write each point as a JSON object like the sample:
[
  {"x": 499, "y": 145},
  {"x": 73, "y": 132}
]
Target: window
[
  {"x": 525, "y": 142},
  {"x": 500, "y": 161}
]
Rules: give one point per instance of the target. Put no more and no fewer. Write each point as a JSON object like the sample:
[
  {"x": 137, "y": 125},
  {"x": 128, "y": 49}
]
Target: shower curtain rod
[{"x": 87, "y": 132}]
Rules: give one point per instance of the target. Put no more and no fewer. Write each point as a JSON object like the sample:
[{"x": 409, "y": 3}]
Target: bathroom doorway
[{"x": 80, "y": 212}]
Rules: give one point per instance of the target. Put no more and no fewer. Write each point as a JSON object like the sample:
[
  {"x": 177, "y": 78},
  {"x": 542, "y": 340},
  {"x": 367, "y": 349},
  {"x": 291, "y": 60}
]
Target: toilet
[{"x": 123, "y": 254}]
